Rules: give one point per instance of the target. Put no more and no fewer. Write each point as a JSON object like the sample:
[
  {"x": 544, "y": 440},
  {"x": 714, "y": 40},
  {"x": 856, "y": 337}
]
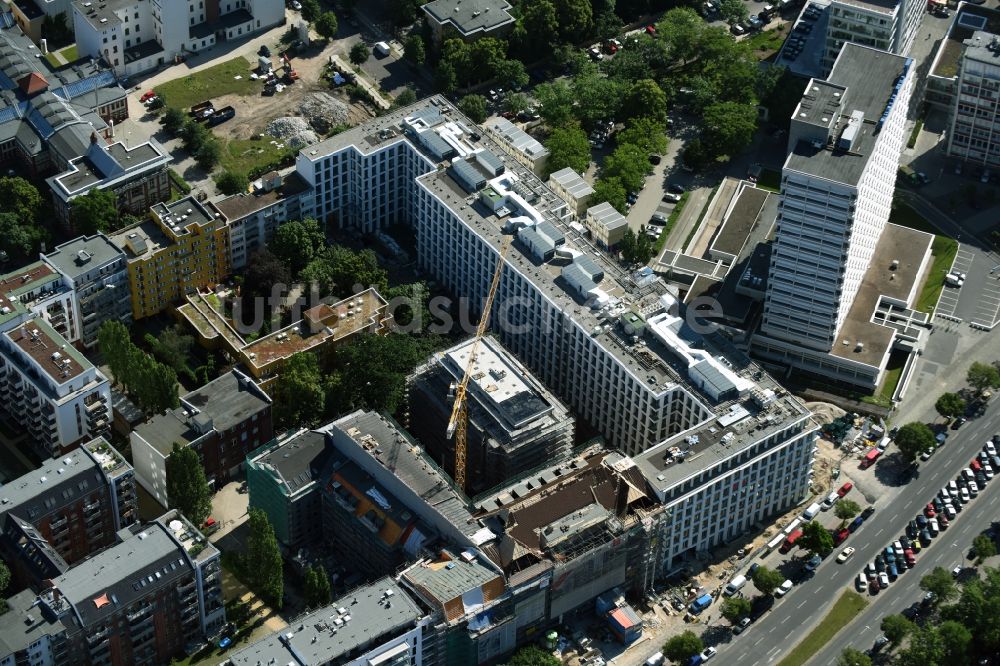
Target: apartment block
[
  {"x": 469, "y": 20},
  {"x": 180, "y": 248},
  {"x": 975, "y": 115},
  {"x": 48, "y": 118},
  {"x": 607, "y": 226},
  {"x": 253, "y": 217},
  {"x": 573, "y": 189},
  {"x": 282, "y": 481},
  {"x": 36, "y": 290},
  {"x": 841, "y": 282},
  {"x": 886, "y": 25},
  {"x": 65, "y": 511},
  {"x": 379, "y": 623},
  {"x": 51, "y": 389},
  {"x": 95, "y": 272},
  {"x": 154, "y": 596},
  {"x": 134, "y": 36},
  {"x": 316, "y": 329},
  {"x": 514, "y": 423},
  {"x": 137, "y": 176},
  {"x": 941, "y": 84},
  {"x": 223, "y": 421},
  {"x": 517, "y": 143}
]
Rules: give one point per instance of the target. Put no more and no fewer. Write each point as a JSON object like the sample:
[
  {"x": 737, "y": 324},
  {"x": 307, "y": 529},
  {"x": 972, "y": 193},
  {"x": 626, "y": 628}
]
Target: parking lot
[{"x": 977, "y": 300}]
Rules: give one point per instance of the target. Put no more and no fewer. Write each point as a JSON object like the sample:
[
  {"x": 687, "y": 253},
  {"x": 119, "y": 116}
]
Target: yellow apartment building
[{"x": 178, "y": 249}]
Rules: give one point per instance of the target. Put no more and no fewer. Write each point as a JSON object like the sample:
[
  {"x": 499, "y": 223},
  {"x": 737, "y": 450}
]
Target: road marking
[
  {"x": 880, "y": 531},
  {"x": 894, "y": 517},
  {"x": 758, "y": 641},
  {"x": 802, "y": 604}
]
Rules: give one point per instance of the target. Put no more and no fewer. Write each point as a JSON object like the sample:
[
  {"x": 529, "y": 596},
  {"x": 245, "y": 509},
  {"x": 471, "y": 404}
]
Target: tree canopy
[
  {"x": 151, "y": 383},
  {"x": 648, "y": 134},
  {"x": 326, "y": 25},
  {"x": 767, "y": 580},
  {"x": 645, "y": 99},
  {"x": 896, "y": 627},
  {"x": 852, "y": 657},
  {"x": 299, "y": 393},
  {"x": 568, "y": 147},
  {"x": 950, "y": 405},
  {"x": 728, "y": 127},
  {"x": 414, "y": 50},
  {"x": 816, "y": 538},
  {"x": 316, "y": 586},
  {"x": 941, "y": 583},
  {"x": 983, "y": 376},
  {"x": 97, "y": 210},
  {"x": 262, "y": 559},
  {"x": 297, "y": 242},
  {"x": 232, "y": 182},
  {"x": 735, "y": 608},
  {"x": 359, "y": 53},
  {"x": 532, "y": 656},
  {"x": 474, "y": 106},
  {"x": 984, "y": 547},
  {"x": 187, "y": 487},
  {"x": 630, "y": 164},
  {"x": 636, "y": 248},
  {"x": 555, "y": 102},
  {"x": 846, "y": 509},
  {"x": 680, "y": 648},
  {"x": 610, "y": 190},
  {"x": 913, "y": 439}
]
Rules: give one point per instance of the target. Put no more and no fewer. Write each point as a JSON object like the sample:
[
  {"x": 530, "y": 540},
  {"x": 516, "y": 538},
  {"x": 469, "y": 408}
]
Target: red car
[
  {"x": 911, "y": 560},
  {"x": 844, "y": 489},
  {"x": 650, "y": 29},
  {"x": 841, "y": 536},
  {"x": 975, "y": 466},
  {"x": 149, "y": 94},
  {"x": 929, "y": 511},
  {"x": 942, "y": 520}
]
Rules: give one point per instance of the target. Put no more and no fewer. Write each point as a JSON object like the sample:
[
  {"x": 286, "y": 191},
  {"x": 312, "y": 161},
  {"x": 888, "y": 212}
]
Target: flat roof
[
  {"x": 23, "y": 280},
  {"x": 56, "y": 358},
  {"x": 867, "y": 78},
  {"x": 23, "y": 624},
  {"x": 293, "y": 462},
  {"x": 68, "y": 260},
  {"x": 878, "y": 6},
  {"x": 470, "y": 16},
  {"x": 101, "y": 15},
  {"x": 240, "y": 205},
  {"x": 180, "y": 215},
  {"x": 733, "y": 233},
  {"x": 964, "y": 23},
  {"x": 515, "y": 137},
  {"x": 221, "y": 404},
  {"x": 367, "y": 616},
  {"x": 108, "y": 163},
  {"x": 908, "y": 247},
  {"x": 450, "y": 576},
  {"x": 27, "y": 494}
]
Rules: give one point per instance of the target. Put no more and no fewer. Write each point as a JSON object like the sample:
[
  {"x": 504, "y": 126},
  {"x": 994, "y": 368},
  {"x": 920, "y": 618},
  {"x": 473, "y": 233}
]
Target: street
[{"x": 797, "y": 614}]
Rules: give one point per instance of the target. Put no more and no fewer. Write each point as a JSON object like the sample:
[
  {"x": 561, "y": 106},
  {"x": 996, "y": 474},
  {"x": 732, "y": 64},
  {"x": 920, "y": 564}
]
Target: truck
[
  {"x": 221, "y": 116},
  {"x": 700, "y": 604},
  {"x": 202, "y": 110},
  {"x": 790, "y": 541}
]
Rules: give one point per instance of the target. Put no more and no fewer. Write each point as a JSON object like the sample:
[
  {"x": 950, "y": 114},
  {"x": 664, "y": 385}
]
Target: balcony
[{"x": 140, "y": 614}]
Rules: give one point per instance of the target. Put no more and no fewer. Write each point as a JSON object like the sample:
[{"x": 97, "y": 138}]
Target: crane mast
[{"x": 459, "y": 421}]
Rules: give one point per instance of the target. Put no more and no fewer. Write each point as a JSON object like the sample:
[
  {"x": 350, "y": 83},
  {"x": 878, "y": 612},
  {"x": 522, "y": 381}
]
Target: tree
[
  {"x": 767, "y": 580},
  {"x": 113, "y": 342},
  {"x": 950, "y": 405},
  {"x": 645, "y": 99},
  {"x": 636, "y": 249},
  {"x": 816, "y": 538},
  {"x": 193, "y": 134},
  {"x": 682, "y": 647},
  {"x": 413, "y": 49},
  {"x": 516, "y": 103},
  {"x": 474, "y": 106},
  {"x": 568, "y": 147},
  {"x": 299, "y": 396},
  {"x": 20, "y": 197},
  {"x": 532, "y": 656},
  {"x": 262, "y": 559},
  {"x": 264, "y": 271},
  {"x": 405, "y": 97},
  {"x": 172, "y": 347},
  {"x": 913, "y": 439},
  {"x": 628, "y": 163},
  {"x": 19, "y": 239},
  {"x": 360, "y": 53},
  {"x": 597, "y": 96},
  {"x": 297, "y": 243},
  {"x": 956, "y": 640},
  {"x": 729, "y": 127},
  {"x": 896, "y": 627},
  {"x": 97, "y": 210},
  {"x": 695, "y": 155},
  {"x": 984, "y": 547},
  {"x": 846, "y": 509},
  {"x": 173, "y": 120},
  {"x": 326, "y": 25},
  {"x": 610, "y": 190},
  {"x": 371, "y": 372},
  {"x": 445, "y": 77},
  {"x": 404, "y": 12},
  {"x": 342, "y": 271},
  {"x": 983, "y": 376},
  {"x": 940, "y": 583},
  {"x": 540, "y": 27},
  {"x": 4, "y": 582},
  {"x": 648, "y": 134},
  {"x": 852, "y": 657},
  {"x": 925, "y": 649},
  {"x": 311, "y": 10},
  {"x": 733, "y": 11},
  {"x": 575, "y": 17},
  {"x": 187, "y": 487},
  {"x": 208, "y": 154},
  {"x": 232, "y": 182},
  {"x": 555, "y": 102},
  {"x": 735, "y": 608},
  {"x": 316, "y": 587}
]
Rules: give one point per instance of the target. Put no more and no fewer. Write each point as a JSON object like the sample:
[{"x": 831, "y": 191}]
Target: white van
[
  {"x": 381, "y": 48},
  {"x": 811, "y": 512},
  {"x": 933, "y": 527},
  {"x": 655, "y": 660},
  {"x": 735, "y": 585}
]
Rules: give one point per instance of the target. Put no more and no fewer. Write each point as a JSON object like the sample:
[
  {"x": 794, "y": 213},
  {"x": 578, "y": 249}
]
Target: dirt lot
[{"x": 254, "y": 111}]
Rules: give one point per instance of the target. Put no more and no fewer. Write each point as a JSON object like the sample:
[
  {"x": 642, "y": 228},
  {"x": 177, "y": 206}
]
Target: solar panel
[
  {"x": 40, "y": 124},
  {"x": 7, "y": 114},
  {"x": 84, "y": 86}
]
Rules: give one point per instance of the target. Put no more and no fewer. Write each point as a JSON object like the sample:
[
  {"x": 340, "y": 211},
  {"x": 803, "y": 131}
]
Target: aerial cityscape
[{"x": 504, "y": 332}]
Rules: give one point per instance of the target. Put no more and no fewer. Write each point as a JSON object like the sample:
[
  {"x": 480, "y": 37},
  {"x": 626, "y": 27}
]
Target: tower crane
[{"x": 459, "y": 421}]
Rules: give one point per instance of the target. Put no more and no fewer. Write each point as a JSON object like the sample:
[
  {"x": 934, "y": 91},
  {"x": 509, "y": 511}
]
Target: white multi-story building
[
  {"x": 137, "y": 35},
  {"x": 836, "y": 269},
  {"x": 887, "y": 25},
  {"x": 975, "y": 114},
  {"x": 597, "y": 337},
  {"x": 50, "y": 389}
]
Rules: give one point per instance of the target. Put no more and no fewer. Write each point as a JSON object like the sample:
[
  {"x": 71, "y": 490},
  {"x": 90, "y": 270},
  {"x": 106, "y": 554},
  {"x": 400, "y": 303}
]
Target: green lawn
[
  {"x": 243, "y": 155},
  {"x": 70, "y": 54},
  {"x": 674, "y": 214},
  {"x": 848, "y": 605},
  {"x": 185, "y": 92},
  {"x": 764, "y": 44},
  {"x": 770, "y": 180},
  {"x": 890, "y": 381}
]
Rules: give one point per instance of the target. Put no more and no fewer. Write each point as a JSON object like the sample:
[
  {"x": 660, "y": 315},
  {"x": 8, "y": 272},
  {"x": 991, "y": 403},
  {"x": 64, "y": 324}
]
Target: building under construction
[{"x": 515, "y": 423}]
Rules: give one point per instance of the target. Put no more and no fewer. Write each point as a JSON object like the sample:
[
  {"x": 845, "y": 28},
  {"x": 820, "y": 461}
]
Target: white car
[
  {"x": 964, "y": 494},
  {"x": 708, "y": 653},
  {"x": 845, "y": 554},
  {"x": 990, "y": 449},
  {"x": 988, "y": 471},
  {"x": 784, "y": 589}
]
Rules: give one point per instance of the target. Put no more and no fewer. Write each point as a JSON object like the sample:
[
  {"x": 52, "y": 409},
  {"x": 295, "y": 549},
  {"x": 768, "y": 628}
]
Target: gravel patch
[
  {"x": 295, "y": 131},
  {"x": 324, "y": 112}
]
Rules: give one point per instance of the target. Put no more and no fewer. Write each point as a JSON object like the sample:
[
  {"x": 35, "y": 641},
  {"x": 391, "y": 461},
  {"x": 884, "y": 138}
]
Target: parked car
[
  {"x": 867, "y": 513},
  {"x": 784, "y": 588},
  {"x": 883, "y": 580},
  {"x": 670, "y": 197},
  {"x": 844, "y": 489},
  {"x": 741, "y": 625},
  {"x": 148, "y": 95},
  {"x": 676, "y": 188},
  {"x": 845, "y": 554}
]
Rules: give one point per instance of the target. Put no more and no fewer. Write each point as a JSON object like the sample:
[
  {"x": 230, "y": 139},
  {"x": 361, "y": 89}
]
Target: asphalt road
[{"x": 774, "y": 635}]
